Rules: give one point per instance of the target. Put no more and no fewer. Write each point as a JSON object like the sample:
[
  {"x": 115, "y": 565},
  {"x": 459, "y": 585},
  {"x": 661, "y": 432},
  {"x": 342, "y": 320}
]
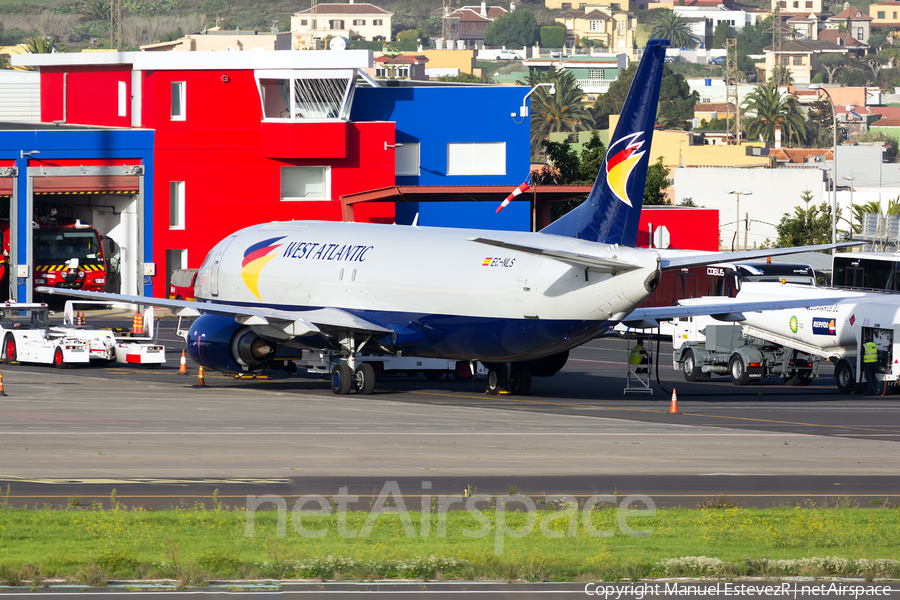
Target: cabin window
[
  {"x": 406, "y": 159},
  {"x": 179, "y": 101},
  {"x": 305, "y": 183},
  {"x": 295, "y": 97},
  {"x": 476, "y": 159},
  {"x": 176, "y": 205}
]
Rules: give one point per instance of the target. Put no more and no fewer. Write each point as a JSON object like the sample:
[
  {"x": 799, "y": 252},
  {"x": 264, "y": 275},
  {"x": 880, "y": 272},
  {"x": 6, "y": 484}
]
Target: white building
[{"x": 352, "y": 21}]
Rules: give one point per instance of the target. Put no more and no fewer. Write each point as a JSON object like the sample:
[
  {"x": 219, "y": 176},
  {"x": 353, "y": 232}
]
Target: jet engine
[{"x": 219, "y": 343}]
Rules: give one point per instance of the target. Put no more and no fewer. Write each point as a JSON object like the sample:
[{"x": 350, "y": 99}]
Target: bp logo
[{"x": 795, "y": 324}]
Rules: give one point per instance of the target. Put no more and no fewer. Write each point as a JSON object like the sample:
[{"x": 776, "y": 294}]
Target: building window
[
  {"x": 476, "y": 159},
  {"x": 798, "y": 61},
  {"x": 859, "y": 33},
  {"x": 615, "y": 6},
  {"x": 123, "y": 99},
  {"x": 335, "y": 24},
  {"x": 303, "y": 22},
  {"x": 307, "y": 99},
  {"x": 796, "y": 3},
  {"x": 809, "y": 4},
  {"x": 895, "y": 15},
  {"x": 595, "y": 25},
  {"x": 178, "y": 101},
  {"x": 782, "y": 3},
  {"x": 378, "y": 22},
  {"x": 622, "y": 25},
  {"x": 406, "y": 159},
  {"x": 566, "y": 6},
  {"x": 176, "y": 205},
  {"x": 595, "y": 74},
  {"x": 359, "y": 22},
  {"x": 305, "y": 183}
]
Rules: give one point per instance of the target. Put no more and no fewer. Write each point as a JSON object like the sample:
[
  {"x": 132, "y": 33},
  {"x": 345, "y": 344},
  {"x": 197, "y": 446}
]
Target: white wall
[
  {"x": 20, "y": 96},
  {"x": 775, "y": 192}
]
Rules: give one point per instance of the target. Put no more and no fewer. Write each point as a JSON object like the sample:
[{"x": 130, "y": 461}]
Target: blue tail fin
[{"x": 612, "y": 212}]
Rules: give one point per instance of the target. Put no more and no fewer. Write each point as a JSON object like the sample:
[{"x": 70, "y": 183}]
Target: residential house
[
  {"x": 798, "y": 6},
  {"x": 467, "y": 24},
  {"x": 856, "y": 24},
  {"x": 353, "y": 21},
  {"x": 800, "y": 57},
  {"x": 611, "y": 29},
  {"x": 885, "y": 14},
  {"x": 403, "y": 66},
  {"x": 593, "y": 74},
  {"x": 626, "y": 5},
  {"x": 709, "y": 111},
  {"x": 713, "y": 15}
]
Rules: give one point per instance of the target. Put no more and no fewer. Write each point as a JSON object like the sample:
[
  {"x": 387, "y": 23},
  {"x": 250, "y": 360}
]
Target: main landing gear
[
  {"x": 508, "y": 378},
  {"x": 344, "y": 379}
]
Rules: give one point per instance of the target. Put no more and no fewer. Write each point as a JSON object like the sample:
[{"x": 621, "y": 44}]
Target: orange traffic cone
[
  {"x": 201, "y": 382},
  {"x": 137, "y": 324},
  {"x": 2, "y": 393},
  {"x": 674, "y": 409},
  {"x": 182, "y": 368}
]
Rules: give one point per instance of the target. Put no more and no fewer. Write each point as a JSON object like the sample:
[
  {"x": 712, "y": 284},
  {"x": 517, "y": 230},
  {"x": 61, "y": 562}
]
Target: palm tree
[
  {"x": 94, "y": 10},
  {"x": 552, "y": 113},
  {"x": 669, "y": 26},
  {"x": 769, "y": 108},
  {"x": 43, "y": 44}
]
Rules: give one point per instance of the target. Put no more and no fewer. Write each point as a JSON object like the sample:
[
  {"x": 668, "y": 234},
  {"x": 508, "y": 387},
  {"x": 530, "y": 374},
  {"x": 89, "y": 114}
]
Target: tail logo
[
  {"x": 256, "y": 257},
  {"x": 621, "y": 158}
]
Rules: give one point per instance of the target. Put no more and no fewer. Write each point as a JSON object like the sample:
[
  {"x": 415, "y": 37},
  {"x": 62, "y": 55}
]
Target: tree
[
  {"x": 553, "y": 36},
  {"x": 676, "y": 101},
  {"x": 41, "y": 44},
  {"x": 820, "y": 123},
  {"x": 721, "y": 33},
  {"x": 568, "y": 168},
  {"x": 657, "y": 181},
  {"x": 94, "y": 10},
  {"x": 767, "y": 108},
  {"x": 515, "y": 29},
  {"x": 667, "y": 25},
  {"x": 781, "y": 76},
  {"x": 552, "y": 113},
  {"x": 808, "y": 226}
]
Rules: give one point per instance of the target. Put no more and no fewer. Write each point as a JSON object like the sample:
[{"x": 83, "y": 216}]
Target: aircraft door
[{"x": 218, "y": 252}]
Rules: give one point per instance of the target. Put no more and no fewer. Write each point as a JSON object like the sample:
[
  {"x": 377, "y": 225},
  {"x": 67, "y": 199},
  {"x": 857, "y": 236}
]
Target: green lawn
[{"x": 195, "y": 545}]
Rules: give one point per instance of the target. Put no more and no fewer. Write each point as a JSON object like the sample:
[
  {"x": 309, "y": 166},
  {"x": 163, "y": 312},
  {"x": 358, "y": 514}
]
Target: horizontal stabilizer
[
  {"x": 596, "y": 263},
  {"x": 721, "y": 309},
  {"x": 682, "y": 259},
  {"x": 309, "y": 321}
]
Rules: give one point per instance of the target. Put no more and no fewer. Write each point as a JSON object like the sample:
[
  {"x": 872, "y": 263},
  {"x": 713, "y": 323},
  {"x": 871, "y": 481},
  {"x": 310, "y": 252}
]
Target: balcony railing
[{"x": 596, "y": 86}]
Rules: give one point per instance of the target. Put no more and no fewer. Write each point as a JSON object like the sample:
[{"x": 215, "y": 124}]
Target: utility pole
[
  {"x": 115, "y": 25},
  {"x": 733, "y": 121}
]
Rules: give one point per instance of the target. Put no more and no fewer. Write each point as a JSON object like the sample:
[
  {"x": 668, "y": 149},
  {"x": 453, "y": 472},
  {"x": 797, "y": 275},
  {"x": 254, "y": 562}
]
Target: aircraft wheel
[
  {"x": 497, "y": 379},
  {"x": 520, "y": 380},
  {"x": 462, "y": 371},
  {"x": 843, "y": 373},
  {"x": 738, "y": 370},
  {"x": 9, "y": 348},
  {"x": 689, "y": 366},
  {"x": 58, "y": 360},
  {"x": 365, "y": 379},
  {"x": 341, "y": 379}
]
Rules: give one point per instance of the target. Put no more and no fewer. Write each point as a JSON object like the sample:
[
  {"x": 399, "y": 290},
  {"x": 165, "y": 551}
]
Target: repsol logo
[{"x": 823, "y": 326}]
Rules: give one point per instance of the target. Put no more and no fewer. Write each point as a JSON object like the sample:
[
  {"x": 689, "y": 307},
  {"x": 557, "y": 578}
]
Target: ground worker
[
  {"x": 870, "y": 363},
  {"x": 638, "y": 356}
]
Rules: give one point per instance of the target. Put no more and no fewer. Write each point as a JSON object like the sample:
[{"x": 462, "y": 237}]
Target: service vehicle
[
  {"x": 137, "y": 346},
  {"x": 28, "y": 338},
  {"x": 181, "y": 284},
  {"x": 704, "y": 346}
]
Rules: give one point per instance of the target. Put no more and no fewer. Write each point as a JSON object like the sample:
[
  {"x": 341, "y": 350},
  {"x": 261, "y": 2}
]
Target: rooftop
[{"x": 345, "y": 9}]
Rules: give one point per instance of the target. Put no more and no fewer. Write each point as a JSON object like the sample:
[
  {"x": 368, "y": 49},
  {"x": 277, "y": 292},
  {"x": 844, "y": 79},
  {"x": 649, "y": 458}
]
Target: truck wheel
[
  {"x": 341, "y": 379},
  {"x": 9, "y": 348},
  {"x": 58, "y": 361},
  {"x": 520, "y": 380},
  {"x": 843, "y": 373},
  {"x": 497, "y": 379},
  {"x": 689, "y": 366},
  {"x": 365, "y": 379},
  {"x": 738, "y": 370},
  {"x": 795, "y": 379}
]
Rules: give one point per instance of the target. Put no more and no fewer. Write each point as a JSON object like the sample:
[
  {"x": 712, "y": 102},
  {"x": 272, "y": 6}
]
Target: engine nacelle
[{"x": 219, "y": 343}]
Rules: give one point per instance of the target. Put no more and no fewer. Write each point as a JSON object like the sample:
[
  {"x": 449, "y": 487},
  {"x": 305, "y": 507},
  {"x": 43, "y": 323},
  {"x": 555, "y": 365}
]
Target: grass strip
[{"x": 193, "y": 544}]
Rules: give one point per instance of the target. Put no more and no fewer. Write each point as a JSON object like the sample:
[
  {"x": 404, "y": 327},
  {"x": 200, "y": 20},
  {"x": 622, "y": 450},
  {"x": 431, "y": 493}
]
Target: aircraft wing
[
  {"x": 604, "y": 265},
  {"x": 679, "y": 260},
  {"x": 301, "y": 322},
  {"x": 718, "y": 308}
]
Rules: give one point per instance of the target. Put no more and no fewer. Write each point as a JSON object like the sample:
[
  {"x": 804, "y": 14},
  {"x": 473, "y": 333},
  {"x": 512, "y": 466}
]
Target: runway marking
[{"x": 658, "y": 412}]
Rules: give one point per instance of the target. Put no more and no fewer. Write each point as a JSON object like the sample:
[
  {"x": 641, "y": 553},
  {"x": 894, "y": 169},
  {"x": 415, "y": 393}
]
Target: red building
[{"x": 240, "y": 138}]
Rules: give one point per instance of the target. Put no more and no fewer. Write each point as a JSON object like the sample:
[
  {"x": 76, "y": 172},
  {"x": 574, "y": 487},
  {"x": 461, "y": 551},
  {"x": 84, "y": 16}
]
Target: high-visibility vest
[
  {"x": 637, "y": 354},
  {"x": 871, "y": 352}
]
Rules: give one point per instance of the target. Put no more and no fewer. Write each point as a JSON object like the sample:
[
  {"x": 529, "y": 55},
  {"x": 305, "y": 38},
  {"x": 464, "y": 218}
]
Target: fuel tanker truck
[{"x": 791, "y": 343}]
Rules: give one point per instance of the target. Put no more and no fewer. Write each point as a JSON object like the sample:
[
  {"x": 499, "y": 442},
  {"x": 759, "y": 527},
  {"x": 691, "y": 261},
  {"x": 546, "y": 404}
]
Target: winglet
[{"x": 612, "y": 212}]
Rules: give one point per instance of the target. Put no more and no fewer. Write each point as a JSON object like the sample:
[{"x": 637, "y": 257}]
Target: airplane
[{"x": 515, "y": 301}]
